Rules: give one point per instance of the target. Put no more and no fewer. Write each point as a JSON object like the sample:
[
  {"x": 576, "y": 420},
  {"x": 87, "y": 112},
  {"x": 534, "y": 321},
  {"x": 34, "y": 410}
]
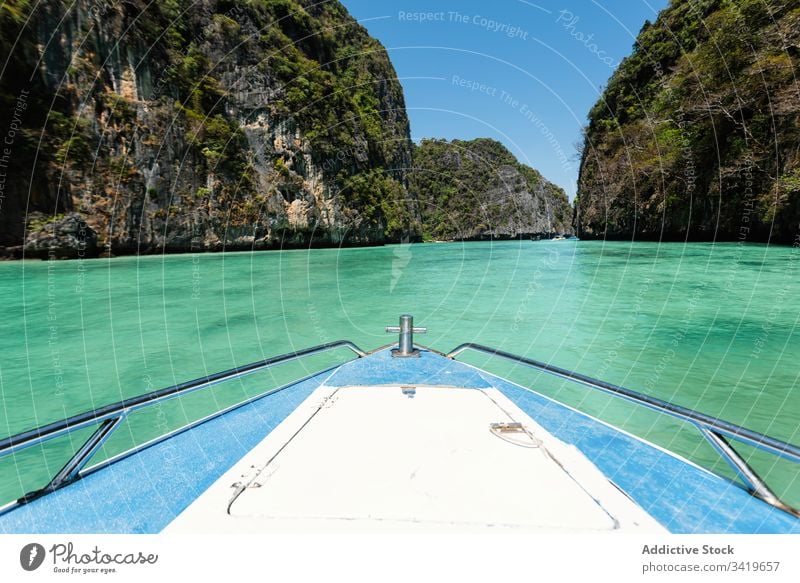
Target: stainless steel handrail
[
  {"x": 109, "y": 417},
  {"x": 714, "y": 430}
]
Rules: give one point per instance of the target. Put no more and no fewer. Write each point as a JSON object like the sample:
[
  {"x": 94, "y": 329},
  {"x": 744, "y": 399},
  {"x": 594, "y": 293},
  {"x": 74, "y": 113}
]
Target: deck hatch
[{"x": 427, "y": 462}]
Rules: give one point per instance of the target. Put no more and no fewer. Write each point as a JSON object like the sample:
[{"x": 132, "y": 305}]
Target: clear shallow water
[{"x": 712, "y": 327}]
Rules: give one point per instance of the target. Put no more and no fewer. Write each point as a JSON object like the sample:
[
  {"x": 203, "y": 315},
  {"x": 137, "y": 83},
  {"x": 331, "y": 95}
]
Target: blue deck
[{"x": 145, "y": 492}]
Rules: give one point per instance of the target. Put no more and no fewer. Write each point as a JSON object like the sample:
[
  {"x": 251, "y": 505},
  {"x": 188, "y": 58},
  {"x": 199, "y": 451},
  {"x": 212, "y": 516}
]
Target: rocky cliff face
[
  {"x": 197, "y": 125},
  {"x": 698, "y": 133},
  {"x": 478, "y": 190}
]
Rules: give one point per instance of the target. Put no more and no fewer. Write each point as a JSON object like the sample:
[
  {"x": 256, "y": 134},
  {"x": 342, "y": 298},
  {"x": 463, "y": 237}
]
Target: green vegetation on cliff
[
  {"x": 477, "y": 189},
  {"x": 202, "y": 124},
  {"x": 697, "y": 132}
]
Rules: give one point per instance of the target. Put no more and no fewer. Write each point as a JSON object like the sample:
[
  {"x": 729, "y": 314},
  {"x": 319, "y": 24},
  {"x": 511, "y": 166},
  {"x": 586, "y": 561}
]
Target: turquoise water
[{"x": 712, "y": 327}]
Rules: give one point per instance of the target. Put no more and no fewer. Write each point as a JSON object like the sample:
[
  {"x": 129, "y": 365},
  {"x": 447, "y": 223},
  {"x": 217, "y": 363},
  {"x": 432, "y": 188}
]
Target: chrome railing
[
  {"x": 109, "y": 417},
  {"x": 715, "y": 431}
]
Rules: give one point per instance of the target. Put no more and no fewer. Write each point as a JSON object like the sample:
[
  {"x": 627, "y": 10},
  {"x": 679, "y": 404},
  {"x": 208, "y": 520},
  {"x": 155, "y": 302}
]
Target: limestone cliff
[
  {"x": 478, "y": 190},
  {"x": 197, "y": 125},
  {"x": 696, "y": 135}
]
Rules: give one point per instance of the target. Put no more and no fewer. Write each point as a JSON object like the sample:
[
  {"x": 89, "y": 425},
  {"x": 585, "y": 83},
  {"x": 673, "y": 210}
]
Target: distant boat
[
  {"x": 401, "y": 439},
  {"x": 559, "y": 238}
]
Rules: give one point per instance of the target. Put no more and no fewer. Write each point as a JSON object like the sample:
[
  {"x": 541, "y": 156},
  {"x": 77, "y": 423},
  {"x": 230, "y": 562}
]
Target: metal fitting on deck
[{"x": 405, "y": 347}]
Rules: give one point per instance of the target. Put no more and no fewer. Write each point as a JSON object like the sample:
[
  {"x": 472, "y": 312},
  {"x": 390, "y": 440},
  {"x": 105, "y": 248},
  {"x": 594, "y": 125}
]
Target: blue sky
[{"x": 522, "y": 72}]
